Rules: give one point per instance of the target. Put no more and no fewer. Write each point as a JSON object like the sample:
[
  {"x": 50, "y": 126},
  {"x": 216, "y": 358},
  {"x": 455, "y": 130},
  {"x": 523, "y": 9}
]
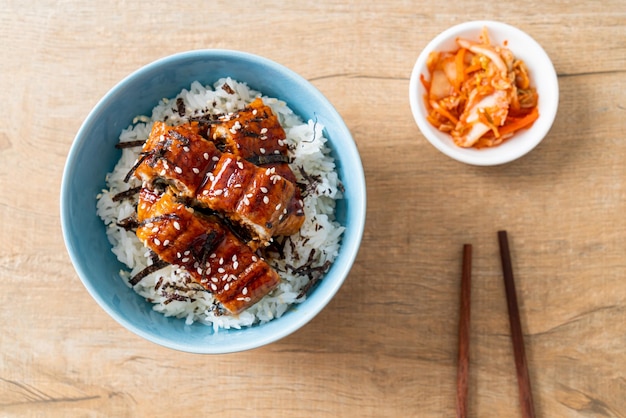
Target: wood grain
[{"x": 386, "y": 345}]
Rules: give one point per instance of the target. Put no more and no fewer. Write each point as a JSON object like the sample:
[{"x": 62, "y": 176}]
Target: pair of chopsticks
[{"x": 523, "y": 379}]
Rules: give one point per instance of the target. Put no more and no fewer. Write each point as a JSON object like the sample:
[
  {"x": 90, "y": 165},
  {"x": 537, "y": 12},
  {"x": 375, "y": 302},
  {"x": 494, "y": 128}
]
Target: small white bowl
[{"x": 542, "y": 76}]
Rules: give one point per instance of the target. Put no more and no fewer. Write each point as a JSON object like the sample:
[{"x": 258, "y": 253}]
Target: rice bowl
[
  {"x": 316, "y": 244},
  {"x": 93, "y": 154}
]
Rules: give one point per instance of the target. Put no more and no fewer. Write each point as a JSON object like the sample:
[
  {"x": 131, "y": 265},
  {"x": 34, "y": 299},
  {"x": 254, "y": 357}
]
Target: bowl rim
[
  {"x": 349, "y": 246},
  {"x": 549, "y": 97}
]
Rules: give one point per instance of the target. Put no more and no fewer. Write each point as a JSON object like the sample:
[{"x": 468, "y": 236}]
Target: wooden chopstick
[
  {"x": 523, "y": 379},
  {"x": 464, "y": 334}
]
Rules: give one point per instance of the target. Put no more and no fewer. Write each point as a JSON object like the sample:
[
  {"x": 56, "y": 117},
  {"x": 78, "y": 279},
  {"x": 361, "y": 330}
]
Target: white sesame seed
[
  {"x": 206, "y": 156},
  {"x": 221, "y": 270},
  {"x": 177, "y": 225},
  {"x": 254, "y": 258},
  {"x": 278, "y": 206},
  {"x": 178, "y": 255},
  {"x": 184, "y": 260},
  {"x": 166, "y": 165},
  {"x": 214, "y": 279},
  {"x": 187, "y": 252},
  {"x": 264, "y": 189},
  {"x": 166, "y": 242},
  {"x": 213, "y": 286},
  {"x": 195, "y": 170},
  {"x": 218, "y": 192},
  {"x": 234, "y": 257},
  {"x": 215, "y": 158},
  {"x": 226, "y": 286},
  {"x": 178, "y": 170},
  {"x": 155, "y": 229},
  {"x": 186, "y": 149},
  {"x": 149, "y": 225},
  {"x": 236, "y": 264},
  {"x": 254, "y": 111},
  {"x": 221, "y": 260},
  {"x": 240, "y": 165},
  {"x": 264, "y": 130},
  {"x": 199, "y": 270},
  {"x": 157, "y": 242},
  {"x": 266, "y": 200},
  {"x": 262, "y": 150},
  {"x": 205, "y": 192},
  {"x": 162, "y": 172},
  {"x": 244, "y": 291}
]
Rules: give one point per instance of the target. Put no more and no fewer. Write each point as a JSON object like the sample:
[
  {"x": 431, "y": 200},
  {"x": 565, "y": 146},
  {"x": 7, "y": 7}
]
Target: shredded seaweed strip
[
  {"x": 129, "y": 223},
  {"x": 207, "y": 242},
  {"x": 227, "y": 88},
  {"x": 180, "y": 107},
  {"x": 166, "y": 216},
  {"x": 132, "y": 222},
  {"x": 313, "y": 273},
  {"x": 268, "y": 159},
  {"x": 126, "y": 194},
  {"x": 314, "y": 130},
  {"x": 311, "y": 181},
  {"x": 140, "y": 160},
  {"x": 177, "y": 135},
  {"x": 174, "y": 296},
  {"x": 319, "y": 272},
  {"x": 130, "y": 144},
  {"x": 158, "y": 265},
  {"x": 207, "y": 119}
]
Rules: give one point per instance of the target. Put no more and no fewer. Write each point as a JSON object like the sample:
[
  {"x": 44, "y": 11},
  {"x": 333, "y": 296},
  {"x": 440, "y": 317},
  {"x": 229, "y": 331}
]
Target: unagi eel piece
[
  {"x": 177, "y": 156},
  {"x": 212, "y": 255},
  {"x": 258, "y": 199}
]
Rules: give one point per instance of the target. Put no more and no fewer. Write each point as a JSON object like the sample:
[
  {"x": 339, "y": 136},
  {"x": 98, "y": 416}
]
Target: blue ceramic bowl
[{"x": 93, "y": 155}]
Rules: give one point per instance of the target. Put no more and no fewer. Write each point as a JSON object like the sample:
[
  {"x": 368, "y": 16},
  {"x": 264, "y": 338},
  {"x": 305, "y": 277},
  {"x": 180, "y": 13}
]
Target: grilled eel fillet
[
  {"x": 254, "y": 134},
  {"x": 213, "y": 256}
]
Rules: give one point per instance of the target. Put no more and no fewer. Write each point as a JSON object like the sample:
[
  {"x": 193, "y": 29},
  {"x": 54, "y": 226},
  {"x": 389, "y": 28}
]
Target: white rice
[{"x": 171, "y": 289}]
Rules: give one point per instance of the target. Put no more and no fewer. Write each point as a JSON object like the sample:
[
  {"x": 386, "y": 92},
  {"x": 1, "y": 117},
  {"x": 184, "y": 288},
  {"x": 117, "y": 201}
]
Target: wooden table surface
[{"x": 386, "y": 346}]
